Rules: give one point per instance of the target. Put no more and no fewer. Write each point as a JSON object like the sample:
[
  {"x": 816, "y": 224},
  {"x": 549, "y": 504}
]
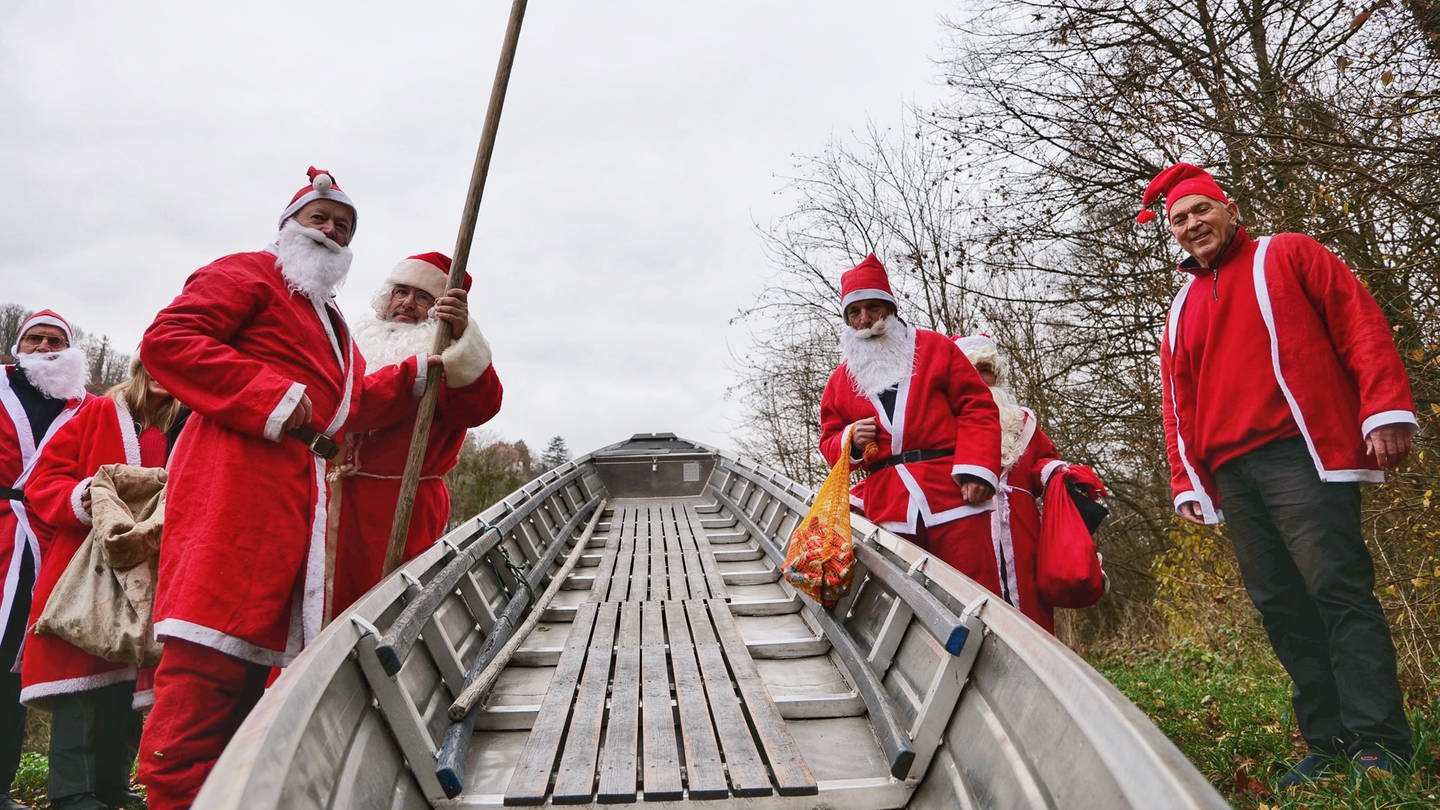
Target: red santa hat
[
  {"x": 425, "y": 271},
  {"x": 865, "y": 281},
  {"x": 45, "y": 317},
  {"x": 1178, "y": 181},
  {"x": 322, "y": 187}
]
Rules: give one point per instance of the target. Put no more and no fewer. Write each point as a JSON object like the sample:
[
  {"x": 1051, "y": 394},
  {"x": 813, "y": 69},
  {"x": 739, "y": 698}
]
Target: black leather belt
[
  {"x": 911, "y": 457},
  {"x": 11, "y": 494},
  {"x": 319, "y": 444}
]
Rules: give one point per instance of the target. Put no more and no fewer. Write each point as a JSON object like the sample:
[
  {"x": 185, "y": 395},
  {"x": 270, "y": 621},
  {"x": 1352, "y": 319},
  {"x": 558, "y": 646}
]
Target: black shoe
[
  {"x": 1373, "y": 763},
  {"x": 79, "y": 801},
  {"x": 7, "y": 803},
  {"x": 124, "y": 800},
  {"x": 1313, "y": 767}
]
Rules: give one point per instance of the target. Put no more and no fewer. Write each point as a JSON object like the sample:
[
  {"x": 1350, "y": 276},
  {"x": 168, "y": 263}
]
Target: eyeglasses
[
  {"x": 37, "y": 341},
  {"x": 422, "y": 299}
]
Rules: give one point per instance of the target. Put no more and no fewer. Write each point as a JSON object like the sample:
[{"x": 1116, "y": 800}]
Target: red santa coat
[
  {"x": 942, "y": 404},
  {"x": 242, "y": 560},
  {"x": 369, "y": 494},
  {"x": 19, "y": 448},
  {"x": 1289, "y": 339},
  {"x": 102, "y": 433},
  {"x": 1015, "y": 523}
]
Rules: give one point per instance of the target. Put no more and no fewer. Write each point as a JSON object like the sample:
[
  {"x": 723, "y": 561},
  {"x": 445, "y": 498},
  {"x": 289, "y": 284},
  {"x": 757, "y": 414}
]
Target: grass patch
[
  {"x": 1228, "y": 710},
  {"x": 29, "y": 784}
]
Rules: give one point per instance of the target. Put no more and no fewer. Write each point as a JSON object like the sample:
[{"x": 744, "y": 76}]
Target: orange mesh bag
[{"x": 820, "y": 561}]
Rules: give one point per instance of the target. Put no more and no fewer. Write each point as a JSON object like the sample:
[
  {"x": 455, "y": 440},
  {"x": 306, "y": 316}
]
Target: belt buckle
[{"x": 323, "y": 446}]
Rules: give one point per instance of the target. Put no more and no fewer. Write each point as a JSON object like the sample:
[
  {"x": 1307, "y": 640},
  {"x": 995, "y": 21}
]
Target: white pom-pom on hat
[{"x": 322, "y": 186}]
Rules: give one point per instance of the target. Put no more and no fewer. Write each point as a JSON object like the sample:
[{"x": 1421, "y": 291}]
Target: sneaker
[
  {"x": 1373, "y": 763},
  {"x": 1314, "y": 766}
]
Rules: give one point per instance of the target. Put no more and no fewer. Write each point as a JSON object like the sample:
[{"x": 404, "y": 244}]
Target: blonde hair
[{"x": 135, "y": 393}]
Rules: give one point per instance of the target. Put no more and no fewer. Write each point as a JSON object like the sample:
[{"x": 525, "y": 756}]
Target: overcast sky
[{"x": 642, "y": 142}]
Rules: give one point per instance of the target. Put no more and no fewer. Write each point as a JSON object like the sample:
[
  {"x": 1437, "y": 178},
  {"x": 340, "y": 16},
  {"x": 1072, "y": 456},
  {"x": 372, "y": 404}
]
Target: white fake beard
[
  {"x": 1012, "y": 425},
  {"x": 386, "y": 343},
  {"x": 878, "y": 357},
  {"x": 58, "y": 375},
  {"x": 311, "y": 262}
]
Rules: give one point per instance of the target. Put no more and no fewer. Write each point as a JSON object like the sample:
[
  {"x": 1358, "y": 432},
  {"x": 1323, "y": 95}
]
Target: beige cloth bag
[{"x": 102, "y": 602}]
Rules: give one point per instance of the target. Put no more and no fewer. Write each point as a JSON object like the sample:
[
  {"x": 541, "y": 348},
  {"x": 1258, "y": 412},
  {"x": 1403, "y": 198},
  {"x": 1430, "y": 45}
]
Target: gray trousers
[
  {"x": 1303, "y": 559},
  {"x": 94, "y": 736}
]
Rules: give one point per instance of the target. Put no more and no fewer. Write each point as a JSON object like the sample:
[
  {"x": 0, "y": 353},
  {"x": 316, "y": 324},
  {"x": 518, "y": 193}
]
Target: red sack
[{"x": 1068, "y": 572}]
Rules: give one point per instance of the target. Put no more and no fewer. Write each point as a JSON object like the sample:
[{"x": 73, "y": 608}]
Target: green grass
[
  {"x": 1228, "y": 710},
  {"x": 29, "y": 784}
]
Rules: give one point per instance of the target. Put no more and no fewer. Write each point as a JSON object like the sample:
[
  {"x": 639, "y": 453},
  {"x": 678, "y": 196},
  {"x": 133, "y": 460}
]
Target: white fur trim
[
  {"x": 330, "y": 194},
  {"x": 919, "y": 508},
  {"x": 276, "y": 421},
  {"x": 41, "y": 320},
  {"x": 1267, "y": 314},
  {"x": 977, "y": 471},
  {"x": 127, "y": 431},
  {"x": 76, "y": 505},
  {"x": 1198, "y": 494},
  {"x": 1050, "y": 469},
  {"x": 421, "y": 275},
  {"x": 467, "y": 358},
  {"x": 1387, "y": 418},
  {"x": 34, "y": 695},
  {"x": 1003, "y": 543},
  {"x": 1212, "y": 517},
  {"x": 143, "y": 700},
  {"x": 1355, "y": 476},
  {"x": 422, "y": 373},
  {"x": 223, "y": 642},
  {"x": 866, "y": 295},
  {"x": 312, "y": 599}
]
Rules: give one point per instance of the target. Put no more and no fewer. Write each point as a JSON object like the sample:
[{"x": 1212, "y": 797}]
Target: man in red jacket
[
  {"x": 408, "y": 309},
  {"x": 38, "y": 394},
  {"x": 912, "y": 393},
  {"x": 256, "y": 347},
  {"x": 1283, "y": 391}
]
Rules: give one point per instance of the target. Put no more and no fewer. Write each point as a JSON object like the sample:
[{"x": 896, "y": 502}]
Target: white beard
[
  {"x": 1012, "y": 425},
  {"x": 58, "y": 375},
  {"x": 386, "y": 343},
  {"x": 878, "y": 357},
  {"x": 311, "y": 262}
]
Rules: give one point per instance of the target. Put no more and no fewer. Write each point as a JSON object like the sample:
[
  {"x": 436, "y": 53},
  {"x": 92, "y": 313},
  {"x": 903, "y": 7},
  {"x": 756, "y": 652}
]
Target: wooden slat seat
[{"x": 650, "y": 663}]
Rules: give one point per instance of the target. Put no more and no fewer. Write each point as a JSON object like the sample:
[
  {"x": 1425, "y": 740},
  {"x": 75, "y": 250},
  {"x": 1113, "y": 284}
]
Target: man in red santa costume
[
  {"x": 41, "y": 391},
  {"x": 913, "y": 394},
  {"x": 1027, "y": 460},
  {"x": 1283, "y": 391},
  {"x": 256, "y": 347},
  {"x": 409, "y": 307}
]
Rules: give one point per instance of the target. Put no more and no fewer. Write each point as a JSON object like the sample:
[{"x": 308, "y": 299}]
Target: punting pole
[{"x": 400, "y": 526}]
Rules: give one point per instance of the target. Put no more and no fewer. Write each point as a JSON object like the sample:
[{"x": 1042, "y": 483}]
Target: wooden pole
[
  {"x": 421, "y": 435},
  {"x": 476, "y": 690}
]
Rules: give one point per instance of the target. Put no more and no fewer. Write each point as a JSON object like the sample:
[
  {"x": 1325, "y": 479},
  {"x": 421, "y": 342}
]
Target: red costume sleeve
[
  {"x": 53, "y": 491},
  {"x": 1358, "y": 330},
  {"x": 188, "y": 348},
  {"x": 834, "y": 418},
  {"x": 391, "y": 396}
]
